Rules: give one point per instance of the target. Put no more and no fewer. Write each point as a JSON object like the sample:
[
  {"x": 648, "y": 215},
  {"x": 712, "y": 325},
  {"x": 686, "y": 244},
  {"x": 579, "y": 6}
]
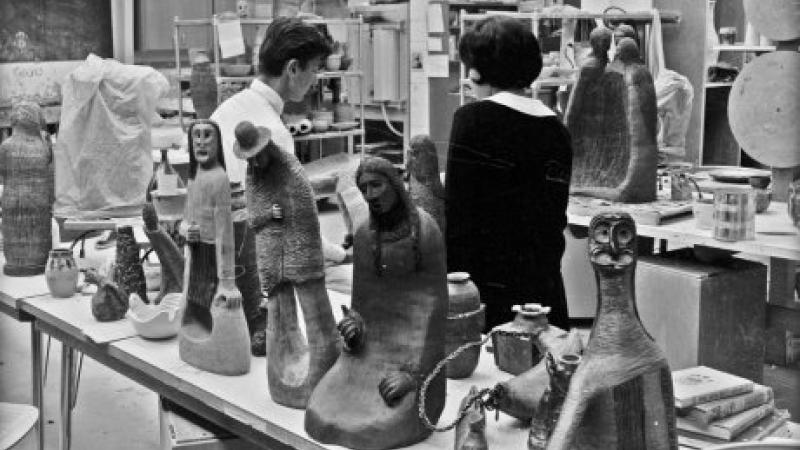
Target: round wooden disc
[
  {"x": 776, "y": 19},
  {"x": 764, "y": 109}
]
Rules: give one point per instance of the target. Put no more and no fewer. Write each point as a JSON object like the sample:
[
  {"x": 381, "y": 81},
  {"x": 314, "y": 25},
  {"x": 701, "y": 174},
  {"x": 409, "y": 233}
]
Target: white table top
[{"x": 775, "y": 234}]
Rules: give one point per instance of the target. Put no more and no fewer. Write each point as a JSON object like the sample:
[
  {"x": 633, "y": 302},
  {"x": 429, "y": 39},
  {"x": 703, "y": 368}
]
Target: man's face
[
  {"x": 205, "y": 144},
  {"x": 378, "y": 193},
  {"x": 300, "y": 79}
]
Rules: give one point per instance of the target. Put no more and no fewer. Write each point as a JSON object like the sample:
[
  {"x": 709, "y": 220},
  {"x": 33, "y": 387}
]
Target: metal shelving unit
[{"x": 214, "y": 22}]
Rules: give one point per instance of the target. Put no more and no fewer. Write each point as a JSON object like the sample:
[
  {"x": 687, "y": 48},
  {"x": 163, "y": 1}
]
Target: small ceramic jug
[
  {"x": 465, "y": 320},
  {"x": 61, "y": 273}
]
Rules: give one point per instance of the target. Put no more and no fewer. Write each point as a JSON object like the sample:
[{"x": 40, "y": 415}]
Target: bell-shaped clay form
[
  {"x": 159, "y": 321},
  {"x": 110, "y": 302}
]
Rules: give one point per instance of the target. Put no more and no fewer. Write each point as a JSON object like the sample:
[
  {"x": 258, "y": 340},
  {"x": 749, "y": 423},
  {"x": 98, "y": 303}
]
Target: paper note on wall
[
  {"x": 437, "y": 66},
  {"x": 435, "y": 18},
  {"x": 231, "y": 42},
  {"x": 435, "y": 44}
]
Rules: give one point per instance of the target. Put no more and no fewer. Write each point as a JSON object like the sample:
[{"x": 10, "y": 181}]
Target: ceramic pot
[
  {"x": 793, "y": 202},
  {"x": 61, "y": 273},
  {"x": 515, "y": 342},
  {"x": 465, "y": 320}
]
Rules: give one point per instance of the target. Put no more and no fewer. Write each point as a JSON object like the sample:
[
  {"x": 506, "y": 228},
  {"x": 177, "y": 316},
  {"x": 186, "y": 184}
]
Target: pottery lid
[
  {"x": 531, "y": 309},
  {"x": 458, "y": 277}
]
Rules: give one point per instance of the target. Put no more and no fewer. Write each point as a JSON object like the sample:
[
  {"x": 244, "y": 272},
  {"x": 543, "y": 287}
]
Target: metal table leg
[
  {"x": 67, "y": 385},
  {"x": 36, "y": 379}
]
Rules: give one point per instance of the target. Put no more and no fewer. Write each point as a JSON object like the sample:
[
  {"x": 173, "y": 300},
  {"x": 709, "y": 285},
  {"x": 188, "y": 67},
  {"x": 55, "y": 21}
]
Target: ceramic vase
[
  {"x": 128, "y": 270},
  {"x": 61, "y": 273},
  {"x": 734, "y": 214},
  {"x": 465, "y": 320},
  {"x": 26, "y": 166},
  {"x": 516, "y": 346},
  {"x": 204, "y": 86}
]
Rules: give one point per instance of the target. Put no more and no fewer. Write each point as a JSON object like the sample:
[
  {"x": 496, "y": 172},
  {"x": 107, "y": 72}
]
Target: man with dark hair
[{"x": 289, "y": 58}]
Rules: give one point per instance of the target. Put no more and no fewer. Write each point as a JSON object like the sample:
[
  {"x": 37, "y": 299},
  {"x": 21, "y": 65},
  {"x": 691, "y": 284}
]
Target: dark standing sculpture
[
  {"x": 620, "y": 397},
  {"x": 612, "y": 118},
  {"x": 424, "y": 182},
  {"x": 395, "y": 332},
  {"x": 169, "y": 254},
  {"x": 26, "y": 170}
]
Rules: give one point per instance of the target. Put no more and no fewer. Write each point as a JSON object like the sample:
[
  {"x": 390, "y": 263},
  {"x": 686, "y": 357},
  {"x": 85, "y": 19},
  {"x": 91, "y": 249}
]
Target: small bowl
[
  {"x": 759, "y": 181},
  {"x": 320, "y": 125}
]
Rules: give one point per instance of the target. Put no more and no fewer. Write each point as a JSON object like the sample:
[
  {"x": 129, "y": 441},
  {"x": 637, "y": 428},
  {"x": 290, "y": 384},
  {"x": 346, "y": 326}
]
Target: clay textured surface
[
  {"x": 424, "y": 182},
  {"x": 612, "y": 118},
  {"x": 110, "y": 302}
]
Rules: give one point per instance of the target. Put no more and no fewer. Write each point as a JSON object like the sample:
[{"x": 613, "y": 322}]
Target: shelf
[
  {"x": 186, "y": 76},
  {"x": 205, "y": 22},
  {"x": 718, "y": 84},
  {"x": 645, "y": 16},
  {"x": 329, "y": 135},
  {"x": 743, "y": 48}
]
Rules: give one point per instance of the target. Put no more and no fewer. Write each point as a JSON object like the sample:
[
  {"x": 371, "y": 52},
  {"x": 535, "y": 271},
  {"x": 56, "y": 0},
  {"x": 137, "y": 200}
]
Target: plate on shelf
[
  {"x": 343, "y": 126},
  {"x": 736, "y": 174}
]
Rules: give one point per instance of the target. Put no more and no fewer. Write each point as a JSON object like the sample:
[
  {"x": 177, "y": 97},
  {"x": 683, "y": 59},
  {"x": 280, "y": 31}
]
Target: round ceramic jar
[
  {"x": 465, "y": 320},
  {"x": 61, "y": 273}
]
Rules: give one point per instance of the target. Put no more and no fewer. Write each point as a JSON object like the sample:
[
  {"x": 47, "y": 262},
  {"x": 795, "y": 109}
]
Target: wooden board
[
  {"x": 775, "y": 19},
  {"x": 54, "y": 30},
  {"x": 764, "y": 109},
  {"x": 652, "y": 213}
]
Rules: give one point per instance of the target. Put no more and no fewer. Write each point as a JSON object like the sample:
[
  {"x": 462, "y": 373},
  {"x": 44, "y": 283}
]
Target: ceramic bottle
[{"x": 465, "y": 320}]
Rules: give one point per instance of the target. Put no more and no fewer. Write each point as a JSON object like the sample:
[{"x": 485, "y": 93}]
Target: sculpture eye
[
  {"x": 602, "y": 233},
  {"x": 624, "y": 235}
]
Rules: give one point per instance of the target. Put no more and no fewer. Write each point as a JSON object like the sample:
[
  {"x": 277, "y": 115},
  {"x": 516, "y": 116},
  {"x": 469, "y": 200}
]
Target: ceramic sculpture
[
  {"x": 213, "y": 335},
  {"x": 424, "y": 182},
  {"x": 393, "y": 334},
  {"x": 620, "y": 396},
  {"x": 110, "y": 302},
  {"x": 61, "y": 273},
  {"x": 523, "y": 342},
  {"x": 26, "y": 170},
  {"x": 612, "y": 118},
  {"x": 169, "y": 255},
  {"x": 156, "y": 321},
  {"x": 283, "y": 218},
  {"x": 465, "y": 320},
  {"x": 128, "y": 271},
  {"x": 522, "y": 395},
  {"x": 471, "y": 429},
  {"x": 560, "y": 372}
]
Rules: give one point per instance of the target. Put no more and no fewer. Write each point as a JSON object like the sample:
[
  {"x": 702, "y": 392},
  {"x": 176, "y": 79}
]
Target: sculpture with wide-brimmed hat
[{"x": 250, "y": 140}]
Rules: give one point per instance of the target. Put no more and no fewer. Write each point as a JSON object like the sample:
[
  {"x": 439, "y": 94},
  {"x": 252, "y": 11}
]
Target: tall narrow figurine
[
  {"x": 283, "y": 217},
  {"x": 214, "y": 334},
  {"x": 620, "y": 397},
  {"x": 26, "y": 169},
  {"x": 394, "y": 332},
  {"x": 424, "y": 182}
]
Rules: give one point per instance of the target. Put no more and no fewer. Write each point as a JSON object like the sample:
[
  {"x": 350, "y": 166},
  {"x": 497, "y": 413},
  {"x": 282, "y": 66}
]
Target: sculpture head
[
  {"x": 423, "y": 163},
  {"x": 205, "y": 146},
  {"x": 612, "y": 242},
  {"x": 600, "y": 40},
  {"x": 382, "y": 188},
  {"x": 627, "y": 51},
  {"x": 28, "y": 116}
]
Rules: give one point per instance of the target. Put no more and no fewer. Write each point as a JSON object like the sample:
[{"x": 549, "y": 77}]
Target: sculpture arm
[
  {"x": 224, "y": 244},
  {"x": 351, "y": 328},
  {"x": 396, "y": 384}
]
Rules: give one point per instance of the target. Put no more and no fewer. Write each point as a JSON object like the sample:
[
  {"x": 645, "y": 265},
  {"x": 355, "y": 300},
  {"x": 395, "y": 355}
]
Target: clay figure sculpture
[
  {"x": 471, "y": 429},
  {"x": 424, "y": 181},
  {"x": 394, "y": 333},
  {"x": 128, "y": 271},
  {"x": 547, "y": 413},
  {"x": 110, "y": 302},
  {"x": 612, "y": 118},
  {"x": 213, "y": 335},
  {"x": 522, "y": 395},
  {"x": 283, "y": 217},
  {"x": 620, "y": 397},
  {"x": 156, "y": 321},
  {"x": 26, "y": 170},
  {"x": 169, "y": 255}
]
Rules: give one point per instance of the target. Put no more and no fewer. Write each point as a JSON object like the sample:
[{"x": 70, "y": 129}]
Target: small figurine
[
  {"x": 213, "y": 335},
  {"x": 169, "y": 254},
  {"x": 128, "y": 271},
  {"x": 471, "y": 429},
  {"x": 394, "y": 334},
  {"x": 26, "y": 170},
  {"x": 110, "y": 302},
  {"x": 424, "y": 182},
  {"x": 612, "y": 118},
  {"x": 620, "y": 396},
  {"x": 283, "y": 218},
  {"x": 550, "y": 404}
]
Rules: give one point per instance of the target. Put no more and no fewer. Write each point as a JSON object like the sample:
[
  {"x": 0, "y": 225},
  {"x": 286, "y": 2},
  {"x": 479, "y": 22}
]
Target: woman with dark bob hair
[{"x": 508, "y": 173}]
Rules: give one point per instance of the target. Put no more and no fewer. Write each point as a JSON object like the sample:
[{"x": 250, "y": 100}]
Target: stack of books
[{"x": 723, "y": 407}]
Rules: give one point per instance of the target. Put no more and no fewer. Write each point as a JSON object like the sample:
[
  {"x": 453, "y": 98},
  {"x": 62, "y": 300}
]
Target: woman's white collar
[{"x": 525, "y": 105}]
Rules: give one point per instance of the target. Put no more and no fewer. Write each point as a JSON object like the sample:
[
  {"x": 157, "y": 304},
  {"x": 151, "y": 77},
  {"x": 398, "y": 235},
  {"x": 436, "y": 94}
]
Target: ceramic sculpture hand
[
  {"x": 395, "y": 385},
  {"x": 351, "y": 327}
]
